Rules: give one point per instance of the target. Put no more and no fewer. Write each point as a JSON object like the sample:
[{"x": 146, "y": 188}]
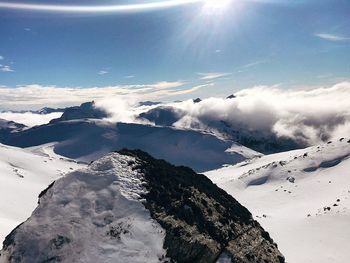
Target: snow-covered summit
[{"x": 129, "y": 207}]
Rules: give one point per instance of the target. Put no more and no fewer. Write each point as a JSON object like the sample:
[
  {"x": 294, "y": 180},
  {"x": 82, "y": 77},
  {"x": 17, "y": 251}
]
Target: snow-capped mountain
[
  {"x": 129, "y": 207},
  {"x": 24, "y": 173},
  {"x": 87, "y": 140},
  {"x": 301, "y": 197}
]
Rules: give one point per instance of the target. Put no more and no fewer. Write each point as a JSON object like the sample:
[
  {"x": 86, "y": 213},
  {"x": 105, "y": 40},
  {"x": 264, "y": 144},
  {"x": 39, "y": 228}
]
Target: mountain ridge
[{"x": 108, "y": 213}]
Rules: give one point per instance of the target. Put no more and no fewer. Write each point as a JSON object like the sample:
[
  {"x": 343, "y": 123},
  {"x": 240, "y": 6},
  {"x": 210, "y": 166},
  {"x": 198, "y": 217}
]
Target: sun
[{"x": 216, "y": 4}]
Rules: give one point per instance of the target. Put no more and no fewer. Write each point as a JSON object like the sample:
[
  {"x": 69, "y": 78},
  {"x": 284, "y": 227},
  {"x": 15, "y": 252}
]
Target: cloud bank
[
  {"x": 34, "y": 97},
  {"x": 309, "y": 116}
]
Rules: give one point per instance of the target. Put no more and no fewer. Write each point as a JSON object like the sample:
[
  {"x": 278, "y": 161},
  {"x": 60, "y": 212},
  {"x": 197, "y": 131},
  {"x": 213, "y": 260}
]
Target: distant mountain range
[{"x": 127, "y": 206}]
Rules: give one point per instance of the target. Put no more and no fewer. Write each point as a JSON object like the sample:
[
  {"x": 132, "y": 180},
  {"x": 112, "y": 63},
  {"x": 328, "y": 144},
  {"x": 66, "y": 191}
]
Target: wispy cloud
[
  {"x": 1, "y": 57},
  {"x": 332, "y": 37},
  {"x": 171, "y": 93},
  {"x": 167, "y": 84},
  {"x": 6, "y": 68},
  {"x": 253, "y": 64},
  {"x": 130, "y": 77},
  {"x": 103, "y": 72},
  {"x": 212, "y": 75}
]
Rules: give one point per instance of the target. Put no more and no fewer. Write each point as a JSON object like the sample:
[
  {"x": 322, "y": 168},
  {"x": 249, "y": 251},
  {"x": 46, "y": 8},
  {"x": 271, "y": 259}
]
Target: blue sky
[{"x": 296, "y": 43}]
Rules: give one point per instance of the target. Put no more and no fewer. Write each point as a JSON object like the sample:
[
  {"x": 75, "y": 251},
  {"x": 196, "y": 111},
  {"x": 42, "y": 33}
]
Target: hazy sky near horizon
[{"x": 190, "y": 49}]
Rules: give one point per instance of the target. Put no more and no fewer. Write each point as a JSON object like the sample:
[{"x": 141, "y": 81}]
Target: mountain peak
[
  {"x": 87, "y": 110},
  {"x": 134, "y": 208}
]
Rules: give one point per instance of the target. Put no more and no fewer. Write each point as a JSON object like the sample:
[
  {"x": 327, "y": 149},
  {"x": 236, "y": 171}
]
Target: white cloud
[
  {"x": 332, "y": 37},
  {"x": 212, "y": 75},
  {"x": 102, "y": 72},
  {"x": 127, "y": 109},
  {"x": 305, "y": 115},
  {"x": 28, "y": 118},
  {"x": 130, "y": 77},
  {"x": 1, "y": 57},
  {"x": 5, "y": 68}
]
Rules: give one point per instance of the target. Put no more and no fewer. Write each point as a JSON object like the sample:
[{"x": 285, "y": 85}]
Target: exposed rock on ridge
[{"x": 201, "y": 220}]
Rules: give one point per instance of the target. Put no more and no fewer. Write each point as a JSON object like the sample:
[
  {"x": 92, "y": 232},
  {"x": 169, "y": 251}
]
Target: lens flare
[{"x": 139, "y": 7}]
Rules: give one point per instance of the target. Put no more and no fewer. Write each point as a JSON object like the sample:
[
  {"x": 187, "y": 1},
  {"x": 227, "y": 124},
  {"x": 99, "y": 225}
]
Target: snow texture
[
  {"x": 24, "y": 173},
  {"x": 301, "y": 197}
]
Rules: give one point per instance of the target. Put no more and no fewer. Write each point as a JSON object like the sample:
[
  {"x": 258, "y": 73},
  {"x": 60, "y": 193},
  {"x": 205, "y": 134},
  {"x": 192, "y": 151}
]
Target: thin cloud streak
[
  {"x": 332, "y": 37},
  {"x": 253, "y": 64},
  {"x": 212, "y": 75}
]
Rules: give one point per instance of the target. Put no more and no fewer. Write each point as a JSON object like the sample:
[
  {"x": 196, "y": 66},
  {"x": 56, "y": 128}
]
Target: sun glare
[{"x": 216, "y": 4}]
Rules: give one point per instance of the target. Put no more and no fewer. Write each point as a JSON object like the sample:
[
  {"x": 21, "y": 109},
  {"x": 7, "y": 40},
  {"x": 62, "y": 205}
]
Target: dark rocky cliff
[{"x": 201, "y": 220}]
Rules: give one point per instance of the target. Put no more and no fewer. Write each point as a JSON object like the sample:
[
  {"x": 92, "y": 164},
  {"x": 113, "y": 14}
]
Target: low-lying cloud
[
  {"x": 309, "y": 116},
  {"x": 305, "y": 115},
  {"x": 28, "y": 118}
]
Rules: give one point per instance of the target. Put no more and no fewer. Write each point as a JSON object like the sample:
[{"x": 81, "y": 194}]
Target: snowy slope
[
  {"x": 110, "y": 222},
  {"x": 23, "y": 175},
  {"x": 87, "y": 140},
  {"x": 301, "y": 197}
]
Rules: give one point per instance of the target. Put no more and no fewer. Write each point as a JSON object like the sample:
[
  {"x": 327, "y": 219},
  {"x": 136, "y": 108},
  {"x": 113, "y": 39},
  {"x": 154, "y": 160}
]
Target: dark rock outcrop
[
  {"x": 201, "y": 220},
  {"x": 232, "y": 96}
]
